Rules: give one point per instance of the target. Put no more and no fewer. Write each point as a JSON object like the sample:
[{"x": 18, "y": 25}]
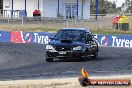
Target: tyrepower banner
[
  {"x": 30, "y": 37},
  {"x": 4, "y": 36},
  {"x": 43, "y": 38},
  {"x": 115, "y": 40}
]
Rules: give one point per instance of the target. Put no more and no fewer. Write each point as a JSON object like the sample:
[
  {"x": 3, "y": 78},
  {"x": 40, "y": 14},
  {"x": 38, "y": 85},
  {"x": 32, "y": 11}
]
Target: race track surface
[{"x": 27, "y": 61}]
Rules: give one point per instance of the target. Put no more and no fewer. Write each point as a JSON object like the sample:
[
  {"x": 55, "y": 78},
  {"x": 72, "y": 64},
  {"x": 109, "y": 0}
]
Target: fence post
[
  {"x": 100, "y": 25},
  {"x": 22, "y": 20},
  {"x": 67, "y": 24},
  {"x": 75, "y": 19},
  {"x": 8, "y": 20}
]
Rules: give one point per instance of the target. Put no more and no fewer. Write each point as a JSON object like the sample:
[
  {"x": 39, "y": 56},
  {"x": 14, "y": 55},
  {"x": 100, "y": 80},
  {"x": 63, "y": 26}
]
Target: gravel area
[{"x": 57, "y": 83}]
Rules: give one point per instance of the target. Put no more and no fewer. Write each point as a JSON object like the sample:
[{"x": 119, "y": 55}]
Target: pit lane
[{"x": 27, "y": 61}]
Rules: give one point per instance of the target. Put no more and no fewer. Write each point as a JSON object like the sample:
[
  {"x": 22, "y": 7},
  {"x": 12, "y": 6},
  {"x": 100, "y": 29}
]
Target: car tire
[
  {"x": 83, "y": 59},
  {"x": 86, "y": 57},
  {"x": 49, "y": 59},
  {"x": 94, "y": 55}
]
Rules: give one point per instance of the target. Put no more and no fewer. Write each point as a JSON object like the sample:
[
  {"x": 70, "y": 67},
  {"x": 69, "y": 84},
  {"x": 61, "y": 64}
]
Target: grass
[
  {"x": 33, "y": 28},
  {"x": 26, "y": 28},
  {"x": 111, "y": 31},
  {"x": 104, "y": 26}
]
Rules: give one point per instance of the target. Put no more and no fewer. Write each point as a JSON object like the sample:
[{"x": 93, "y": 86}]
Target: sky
[{"x": 119, "y": 2}]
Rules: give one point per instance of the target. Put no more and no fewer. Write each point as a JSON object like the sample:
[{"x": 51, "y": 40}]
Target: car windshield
[{"x": 75, "y": 35}]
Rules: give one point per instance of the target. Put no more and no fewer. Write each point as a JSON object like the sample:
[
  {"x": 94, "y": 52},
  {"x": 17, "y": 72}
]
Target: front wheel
[
  {"x": 94, "y": 55},
  {"x": 84, "y": 58},
  {"x": 49, "y": 59}
]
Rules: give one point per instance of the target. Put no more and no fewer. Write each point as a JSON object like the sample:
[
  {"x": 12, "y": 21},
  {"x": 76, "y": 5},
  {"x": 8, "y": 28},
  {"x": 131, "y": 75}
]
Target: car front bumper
[{"x": 65, "y": 54}]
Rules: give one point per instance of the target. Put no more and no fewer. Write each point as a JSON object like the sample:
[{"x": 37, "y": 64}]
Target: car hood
[{"x": 66, "y": 43}]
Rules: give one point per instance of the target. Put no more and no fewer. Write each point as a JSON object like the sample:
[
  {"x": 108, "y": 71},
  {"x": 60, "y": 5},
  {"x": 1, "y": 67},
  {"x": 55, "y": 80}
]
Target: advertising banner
[
  {"x": 43, "y": 38},
  {"x": 115, "y": 40},
  {"x": 4, "y": 36},
  {"x": 31, "y": 37}
]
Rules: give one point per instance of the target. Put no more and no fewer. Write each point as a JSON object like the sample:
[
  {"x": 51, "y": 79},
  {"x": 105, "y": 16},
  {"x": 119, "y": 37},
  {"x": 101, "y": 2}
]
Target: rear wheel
[{"x": 49, "y": 59}]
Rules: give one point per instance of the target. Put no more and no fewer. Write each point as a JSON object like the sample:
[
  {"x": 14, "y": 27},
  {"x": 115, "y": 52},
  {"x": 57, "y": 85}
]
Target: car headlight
[
  {"x": 49, "y": 47},
  {"x": 77, "y": 48}
]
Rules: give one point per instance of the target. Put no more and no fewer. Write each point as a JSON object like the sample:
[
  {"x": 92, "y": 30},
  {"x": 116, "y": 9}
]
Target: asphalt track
[{"x": 27, "y": 61}]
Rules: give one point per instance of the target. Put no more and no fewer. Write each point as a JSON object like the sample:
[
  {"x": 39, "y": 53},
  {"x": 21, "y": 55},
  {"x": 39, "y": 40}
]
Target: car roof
[{"x": 82, "y": 29}]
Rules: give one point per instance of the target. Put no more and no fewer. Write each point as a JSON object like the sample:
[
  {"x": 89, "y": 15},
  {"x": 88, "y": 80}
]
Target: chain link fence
[{"x": 103, "y": 22}]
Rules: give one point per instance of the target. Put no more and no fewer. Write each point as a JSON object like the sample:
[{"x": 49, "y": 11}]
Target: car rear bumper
[{"x": 65, "y": 54}]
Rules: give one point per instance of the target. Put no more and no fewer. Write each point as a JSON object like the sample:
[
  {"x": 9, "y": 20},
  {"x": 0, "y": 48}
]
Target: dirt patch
[{"x": 56, "y": 83}]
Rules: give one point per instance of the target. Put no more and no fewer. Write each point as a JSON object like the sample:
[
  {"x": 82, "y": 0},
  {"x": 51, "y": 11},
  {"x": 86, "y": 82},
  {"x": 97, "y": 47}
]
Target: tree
[
  {"x": 1, "y": 6},
  {"x": 127, "y": 6},
  {"x": 104, "y": 7}
]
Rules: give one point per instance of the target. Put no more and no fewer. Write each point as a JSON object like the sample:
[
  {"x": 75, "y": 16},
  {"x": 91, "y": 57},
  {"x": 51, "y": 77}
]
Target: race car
[{"x": 72, "y": 43}]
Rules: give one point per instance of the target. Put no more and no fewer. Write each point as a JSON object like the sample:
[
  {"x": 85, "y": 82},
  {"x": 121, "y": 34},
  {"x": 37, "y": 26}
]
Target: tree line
[
  {"x": 106, "y": 7},
  {"x": 126, "y": 6}
]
